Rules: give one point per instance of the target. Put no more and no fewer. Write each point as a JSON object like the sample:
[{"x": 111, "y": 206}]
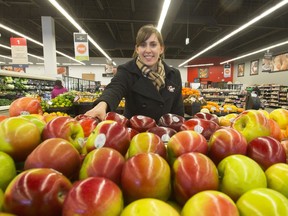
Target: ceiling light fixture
[
  {"x": 3, "y": 56},
  {"x": 255, "y": 52},
  {"x": 264, "y": 14},
  {"x": 200, "y": 65},
  {"x": 163, "y": 14},
  {"x": 77, "y": 26},
  {"x": 35, "y": 41}
]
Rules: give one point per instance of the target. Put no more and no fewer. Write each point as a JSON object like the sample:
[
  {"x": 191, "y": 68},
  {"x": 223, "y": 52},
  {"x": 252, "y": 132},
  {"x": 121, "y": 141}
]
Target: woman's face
[{"x": 149, "y": 51}]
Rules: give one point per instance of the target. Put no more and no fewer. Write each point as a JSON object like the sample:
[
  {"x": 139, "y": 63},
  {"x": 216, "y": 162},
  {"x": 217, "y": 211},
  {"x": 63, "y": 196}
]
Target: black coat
[{"x": 141, "y": 96}]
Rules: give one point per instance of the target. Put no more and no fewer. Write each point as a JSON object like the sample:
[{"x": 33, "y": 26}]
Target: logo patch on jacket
[{"x": 170, "y": 88}]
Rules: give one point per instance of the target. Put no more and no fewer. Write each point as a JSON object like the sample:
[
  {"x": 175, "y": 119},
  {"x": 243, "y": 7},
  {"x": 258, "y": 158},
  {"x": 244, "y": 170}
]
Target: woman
[
  {"x": 150, "y": 87},
  {"x": 58, "y": 89}
]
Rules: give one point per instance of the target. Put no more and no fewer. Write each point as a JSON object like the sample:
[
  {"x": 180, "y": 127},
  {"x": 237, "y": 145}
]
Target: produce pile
[{"x": 60, "y": 165}]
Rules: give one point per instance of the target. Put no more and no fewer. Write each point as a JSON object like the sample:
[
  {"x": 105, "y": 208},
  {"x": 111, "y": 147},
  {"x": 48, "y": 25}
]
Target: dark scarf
[{"x": 157, "y": 77}]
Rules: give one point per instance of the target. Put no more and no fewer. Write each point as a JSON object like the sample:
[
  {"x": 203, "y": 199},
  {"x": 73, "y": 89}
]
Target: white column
[{"x": 49, "y": 49}]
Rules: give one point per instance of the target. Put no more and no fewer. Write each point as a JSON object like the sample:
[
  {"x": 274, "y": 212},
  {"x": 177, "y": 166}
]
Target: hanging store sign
[
  {"x": 227, "y": 70},
  {"x": 19, "y": 52},
  {"x": 81, "y": 47}
]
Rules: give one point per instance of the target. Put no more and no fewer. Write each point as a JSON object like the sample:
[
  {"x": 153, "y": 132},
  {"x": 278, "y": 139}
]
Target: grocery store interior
[{"x": 221, "y": 48}]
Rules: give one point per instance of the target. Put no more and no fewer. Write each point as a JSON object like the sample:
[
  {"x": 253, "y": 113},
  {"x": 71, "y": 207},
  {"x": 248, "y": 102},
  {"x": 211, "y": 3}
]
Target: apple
[
  {"x": 280, "y": 115},
  {"x": 201, "y": 126},
  {"x": 193, "y": 172},
  {"x": 6, "y": 214},
  {"x": 238, "y": 174},
  {"x": 225, "y": 142},
  {"x": 117, "y": 117},
  {"x": 39, "y": 122},
  {"x": 252, "y": 124},
  {"x": 108, "y": 133},
  {"x": 284, "y": 143},
  {"x": 7, "y": 170},
  {"x": 93, "y": 196},
  {"x": 131, "y": 132},
  {"x": 18, "y": 137},
  {"x": 142, "y": 123},
  {"x": 2, "y": 117},
  {"x": 170, "y": 120},
  {"x": 165, "y": 133},
  {"x": 184, "y": 142},
  {"x": 88, "y": 125},
  {"x": 266, "y": 151},
  {"x": 38, "y": 191},
  {"x": 49, "y": 116},
  {"x": 149, "y": 206},
  {"x": 275, "y": 130},
  {"x": 67, "y": 128},
  {"x": 146, "y": 142},
  {"x": 226, "y": 120},
  {"x": 146, "y": 175},
  {"x": 262, "y": 201},
  {"x": 55, "y": 153},
  {"x": 103, "y": 162},
  {"x": 210, "y": 202},
  {"x": 25, "y": 105},
  {"x": 207, "y": 116},
  {"x": 1, "y": 199},
  {"x": 277, "y": 178}
]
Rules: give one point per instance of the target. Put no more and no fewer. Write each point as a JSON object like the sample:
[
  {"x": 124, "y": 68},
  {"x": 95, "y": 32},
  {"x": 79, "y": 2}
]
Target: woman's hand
[{"x": 98, "y": 111}]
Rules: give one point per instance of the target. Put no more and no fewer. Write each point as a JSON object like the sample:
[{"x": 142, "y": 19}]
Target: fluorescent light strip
[
  {"x": 3, "y": 56},
  {"x": 163, "y": 14},
  {"x": 255, "y": 52},
  {"x": 265, "y": 13},
  {"x": 35, "y": 56},
  {"x": 34, "y": 41},
  {"x": 98, "y": 64},
  {"x": 77, "y": 26},
  {"x": 199, "y": 65}
]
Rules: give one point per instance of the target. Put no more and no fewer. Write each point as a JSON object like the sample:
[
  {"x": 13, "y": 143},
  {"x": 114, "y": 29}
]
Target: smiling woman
[{"x": 146, "y": 82}]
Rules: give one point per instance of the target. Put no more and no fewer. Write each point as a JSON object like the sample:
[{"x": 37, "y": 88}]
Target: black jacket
[{"x": 141, "y": 96}]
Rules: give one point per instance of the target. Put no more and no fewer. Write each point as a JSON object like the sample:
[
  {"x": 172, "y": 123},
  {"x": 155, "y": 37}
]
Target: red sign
[{"x": 18, "y": 42}]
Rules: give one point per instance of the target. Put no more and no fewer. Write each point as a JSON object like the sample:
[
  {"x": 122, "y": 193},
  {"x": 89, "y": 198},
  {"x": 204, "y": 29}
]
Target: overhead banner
[
  {"x": 81, "y": 47},
  {"x": 227, "y": 70},
  {"x": 19, "y": 52}
]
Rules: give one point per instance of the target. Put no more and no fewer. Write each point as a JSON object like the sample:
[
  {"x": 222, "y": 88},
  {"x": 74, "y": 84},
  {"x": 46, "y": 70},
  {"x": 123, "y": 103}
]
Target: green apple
[
  {"x": 262, "y": 202},
  {"x": 1, "y": 199},
  {"x": 238, "y": 174},
  {"x": 18, "y": 137},
  {"x": 7, "y": 170},
  {"x": 252, "y": 124},
  {"x": 149, "y": 206},
  {"x": 205, "y": 202},
  {"x": 39, "y": 122},
  {"x": 277, "y": 178}
]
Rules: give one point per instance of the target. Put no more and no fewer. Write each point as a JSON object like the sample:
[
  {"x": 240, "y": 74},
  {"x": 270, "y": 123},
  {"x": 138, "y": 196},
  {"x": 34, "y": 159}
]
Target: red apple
[
  {"x": 280, "y": 115},
  {"x": 142, "y": 123},
  {"x": 193, "y": 172},
  {"x": 171, "y": 120},
  {"x": 39, "y": 191},
  {"x": 108, "y": 133},
  {"x": 146, "y": 175},
  {"x": 103, "y": 162},
  {"x": 67, "y": 128},
  {"x": 93, "y": 196},
  {"x": 118, "y": 118},
  {"x": 18, "y": 137},
  {"x": 184, "y": 142},
  {"x": 88, "y": 125},
  {"x": 266, "y": 151},
  {"x": 165, "y": 133},
  {"x": 132, "y": 132},
  {"x": 225, "y": 142},
  {"x": 252, "y": 124},
  {"x": 38, "y": 121},
  {"x": 25, "y": 105},
  {"x": 210, "y": 202},
  {"x": 207, "y": 116},
  {"x": 2, "y": 117},
  {"x": 56, "y": 153},
  {"x": 201, "y": 126},
  {"x": 146, "y": 142},
  {"x": 275, "y": 130},
  {"x": 284, "y": 143}
]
